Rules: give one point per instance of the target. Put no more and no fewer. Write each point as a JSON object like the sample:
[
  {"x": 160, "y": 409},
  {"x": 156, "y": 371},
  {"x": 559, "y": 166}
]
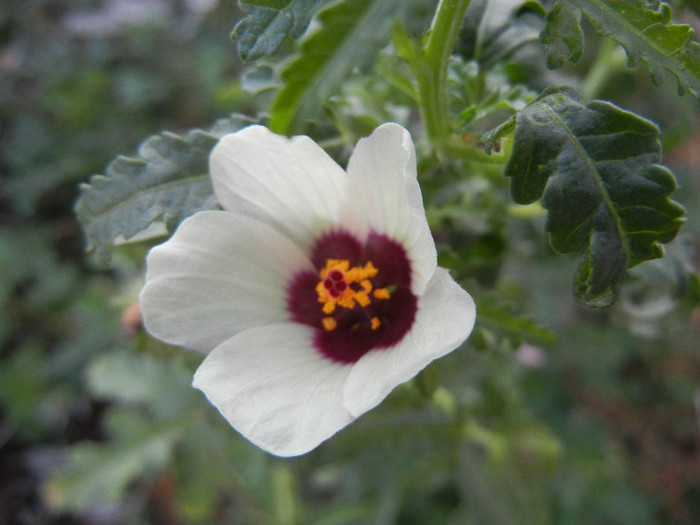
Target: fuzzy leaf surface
[
  {"x": 562, "y": 36},
  {"x": 167, "y": 182},
  {"x": 97, "y": 474},
  {"x": 503, "y": 322},
  {"x": 494, "y": 31},
  {"x": 351, "y": 33},
  {"x": 268, "y": 22},
  {"x": 644, "y": 28},
  {"x": 595, "y": 167}
]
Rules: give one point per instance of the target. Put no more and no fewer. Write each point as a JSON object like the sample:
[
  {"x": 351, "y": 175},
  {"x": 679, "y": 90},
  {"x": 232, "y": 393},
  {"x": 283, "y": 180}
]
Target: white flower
[{"x": 313, "y": 293}]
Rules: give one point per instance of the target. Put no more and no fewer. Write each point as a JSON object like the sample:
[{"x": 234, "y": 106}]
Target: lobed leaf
[
  {"x": 141, "y": 380},
  {"x": 351, "y": 33},
  {"x": 97, "y": 474},
  {"x": 642, "y": 27},
  {"x": 502, "y": 322},
  {"x": 268, "y": 22},
  {"x": 596, "y": 168},
  {"x": 167, "y": 182},
  {"x": 495, "y": 31},
  {"x": 562, "y": 36}
]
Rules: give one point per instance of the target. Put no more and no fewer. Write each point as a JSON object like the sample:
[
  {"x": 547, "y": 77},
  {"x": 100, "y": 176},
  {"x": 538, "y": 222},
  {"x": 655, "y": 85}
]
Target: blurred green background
[{"x": 98, "y": 424}]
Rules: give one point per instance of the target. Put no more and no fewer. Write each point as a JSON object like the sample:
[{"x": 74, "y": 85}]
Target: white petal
[
  {"x": 219, "y": 274},
  {"x": 445, "y": 318},
  {"x": 289, "y": 183},
  {"x": 384, "y": 166},
  {"x": 275, "y": 389}
]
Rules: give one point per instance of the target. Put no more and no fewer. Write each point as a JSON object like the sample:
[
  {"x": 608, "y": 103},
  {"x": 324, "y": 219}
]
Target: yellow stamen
[
  {"x": 343, "y": 286},
  {"x": 329, "y": 324},
  {"x": 329, "y": 307},
  {"x": 381, "y": 293}
]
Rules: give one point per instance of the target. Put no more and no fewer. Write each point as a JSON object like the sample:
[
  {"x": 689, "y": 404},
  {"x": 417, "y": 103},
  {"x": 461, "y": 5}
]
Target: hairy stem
[{"x": 432, "y": 77}]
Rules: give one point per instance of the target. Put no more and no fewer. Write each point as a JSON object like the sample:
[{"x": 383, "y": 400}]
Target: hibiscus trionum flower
[{"x": 313, "y": 292}]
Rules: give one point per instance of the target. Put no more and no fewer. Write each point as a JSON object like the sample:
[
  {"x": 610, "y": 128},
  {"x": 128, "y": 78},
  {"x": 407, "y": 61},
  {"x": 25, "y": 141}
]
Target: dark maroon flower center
[{"x": 359, "y": 297}]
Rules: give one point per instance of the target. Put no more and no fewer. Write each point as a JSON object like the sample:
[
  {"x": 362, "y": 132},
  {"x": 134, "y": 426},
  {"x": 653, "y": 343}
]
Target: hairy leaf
[
  {"x": 267, "y": 22},
  {"x": 134, "y": 379},
  {"x": 503, "y": 322},
  {"x": 351, "y": 34},
  {"x": 642, "y": 27},
  {"x": 167, "y": 182},
  {"x": 562, "y": 36},
  {"x": 482, "y": 98},
  {"x": 596, "y": 168},
  {"x": 494, "y": 31},
  {"x": 98, "y": 474}
]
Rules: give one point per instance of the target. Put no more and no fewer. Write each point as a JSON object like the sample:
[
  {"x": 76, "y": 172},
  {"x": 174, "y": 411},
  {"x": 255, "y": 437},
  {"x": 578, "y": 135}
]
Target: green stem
[
  {"x": 432, "y": 78},
  {"x": 284, "y": 500},
  {"x": 610, "y": 59}
]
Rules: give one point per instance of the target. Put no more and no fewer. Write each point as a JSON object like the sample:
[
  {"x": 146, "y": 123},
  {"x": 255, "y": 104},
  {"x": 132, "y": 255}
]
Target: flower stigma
[{"x": 343, "y": 286}]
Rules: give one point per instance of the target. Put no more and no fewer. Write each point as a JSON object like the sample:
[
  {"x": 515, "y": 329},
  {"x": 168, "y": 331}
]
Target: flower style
[{"x": 313, "y": 292}]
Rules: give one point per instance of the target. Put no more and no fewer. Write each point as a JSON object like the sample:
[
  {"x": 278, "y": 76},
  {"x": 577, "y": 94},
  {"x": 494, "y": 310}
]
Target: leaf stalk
[{"x": 432, "y": 77}]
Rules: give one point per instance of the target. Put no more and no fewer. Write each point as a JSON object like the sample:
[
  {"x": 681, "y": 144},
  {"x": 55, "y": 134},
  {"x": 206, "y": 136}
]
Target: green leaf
[
  {"x": 167, "y": 182},
  {"x": 274, "y": 4},
  {"x": 99, "y": 473},
  {"x": 161, "y": 385},
  {"x": 642, "y": 27},
  {"x": 503, "y": 321},
  {"x": 351, "y": 34},
  {"x": 477, "y": 96},
  {"x": 494, "y": 31},
  {"x": 596, "y": 168},
  {"x": 258, "y": 79},
  {"x": 267, "y": 22},
  {"x": 562, "y": 36}
]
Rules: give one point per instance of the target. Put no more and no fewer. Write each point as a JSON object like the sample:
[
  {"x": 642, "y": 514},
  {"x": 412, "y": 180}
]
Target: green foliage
[
  {"x": 595, "y": 167},
  {"x": 643, "y": 28},
  {"x": 495, "y": 32},
  {"x": 563, "y": 36},
  {"x": 480, "y": 99},
  {"x": 150, "y": 382},
  {"x": 155, "y": 415},
  {"x": 52, "y": 317},
  {"x": 523, "y": 425},
  {"x": 429, "y": 62},
  {"x": 98, "y": 475},
  {"x": 166, "y": 183},
  {"x": 500, "y": 322},
  {"x": 268, "y": 22},
  {"x": 328, "y": 55}
]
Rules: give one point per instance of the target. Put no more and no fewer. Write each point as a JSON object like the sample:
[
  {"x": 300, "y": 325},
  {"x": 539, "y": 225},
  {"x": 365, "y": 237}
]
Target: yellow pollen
[
  {"x": 343, "y": 286},
  {"x": 381, "y": 293},
  {"x": 329, "y": 324}
]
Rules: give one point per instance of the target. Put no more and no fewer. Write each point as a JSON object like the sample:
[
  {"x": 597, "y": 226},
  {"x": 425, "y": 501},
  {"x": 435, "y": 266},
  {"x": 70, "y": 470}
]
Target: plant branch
[{"x": 432, "y": 76}]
